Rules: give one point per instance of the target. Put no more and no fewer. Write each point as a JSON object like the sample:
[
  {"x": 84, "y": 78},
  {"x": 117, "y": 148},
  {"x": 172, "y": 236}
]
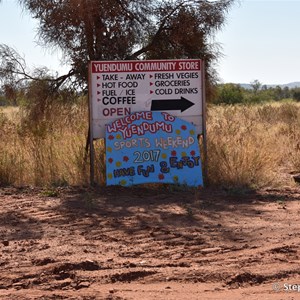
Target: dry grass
[
  {"x": 248, "y": 146},
  {"x": 253, "y": 146},
  {"x": 44, "y": 151}
]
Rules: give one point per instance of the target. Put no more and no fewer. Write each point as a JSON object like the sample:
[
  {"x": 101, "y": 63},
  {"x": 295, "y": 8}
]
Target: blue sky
[
  {"x": 260, "y": 40},
  {"x": 19, "y": 30}
]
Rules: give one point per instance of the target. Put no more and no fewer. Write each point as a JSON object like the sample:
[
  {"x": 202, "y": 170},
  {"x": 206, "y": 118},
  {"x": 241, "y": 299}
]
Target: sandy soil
[{"x": 142, "y": 243}]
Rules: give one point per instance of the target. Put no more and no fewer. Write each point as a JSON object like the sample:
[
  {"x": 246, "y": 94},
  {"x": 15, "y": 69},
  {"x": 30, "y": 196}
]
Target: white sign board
[{"x": 119, "y": 88}]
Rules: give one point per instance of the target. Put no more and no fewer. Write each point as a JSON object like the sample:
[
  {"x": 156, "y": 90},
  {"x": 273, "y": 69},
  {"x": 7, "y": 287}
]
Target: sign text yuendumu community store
[{"x": 120, "y": 88}]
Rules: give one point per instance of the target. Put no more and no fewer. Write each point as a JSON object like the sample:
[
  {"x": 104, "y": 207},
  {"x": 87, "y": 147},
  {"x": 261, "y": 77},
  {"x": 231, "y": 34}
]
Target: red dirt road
[{"x": 138, "y": 243}]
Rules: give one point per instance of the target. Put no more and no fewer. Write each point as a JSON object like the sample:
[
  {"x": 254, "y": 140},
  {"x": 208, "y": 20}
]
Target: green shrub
[{"x": 229, "y": 93}]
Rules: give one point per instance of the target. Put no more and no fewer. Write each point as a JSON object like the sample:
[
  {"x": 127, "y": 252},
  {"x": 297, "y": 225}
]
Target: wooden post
[
  {"x": 205, "y": 172},
  {"x": 91, "y": 134}
]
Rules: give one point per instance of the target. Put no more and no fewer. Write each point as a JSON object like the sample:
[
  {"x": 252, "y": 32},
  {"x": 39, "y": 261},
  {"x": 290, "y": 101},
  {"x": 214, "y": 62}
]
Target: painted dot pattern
[{"x": 144, "y": 152}]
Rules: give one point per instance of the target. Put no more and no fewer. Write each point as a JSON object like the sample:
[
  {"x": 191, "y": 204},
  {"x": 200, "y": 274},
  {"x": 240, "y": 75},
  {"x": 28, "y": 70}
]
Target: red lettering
[{"x": 119, "y": 111}]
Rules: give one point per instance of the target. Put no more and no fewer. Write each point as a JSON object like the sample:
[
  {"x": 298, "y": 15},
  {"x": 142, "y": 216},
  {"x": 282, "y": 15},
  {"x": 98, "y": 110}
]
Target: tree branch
[
  {"x": 156, "y": 37},
  {"x": 13, "y": 67}
]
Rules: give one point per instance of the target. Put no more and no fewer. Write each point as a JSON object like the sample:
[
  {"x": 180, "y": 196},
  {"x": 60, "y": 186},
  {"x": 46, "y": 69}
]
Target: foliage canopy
[{"x": 126, "y": 29}]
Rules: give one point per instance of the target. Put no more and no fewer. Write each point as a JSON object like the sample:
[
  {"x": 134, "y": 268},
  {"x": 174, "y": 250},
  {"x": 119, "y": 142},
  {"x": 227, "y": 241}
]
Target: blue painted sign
[{"x": 151, "y": 147}]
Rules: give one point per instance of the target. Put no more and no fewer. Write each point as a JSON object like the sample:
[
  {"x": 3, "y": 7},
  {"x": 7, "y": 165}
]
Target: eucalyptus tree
[{"x": 127, "y": 29}]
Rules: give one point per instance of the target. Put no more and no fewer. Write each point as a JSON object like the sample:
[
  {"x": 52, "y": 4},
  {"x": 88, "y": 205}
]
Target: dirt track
[{"x": 142, "y": 243}]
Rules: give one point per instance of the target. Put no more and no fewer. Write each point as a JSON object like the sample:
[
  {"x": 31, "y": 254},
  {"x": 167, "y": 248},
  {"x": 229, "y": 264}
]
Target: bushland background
[{"x": 253, "y": 138}]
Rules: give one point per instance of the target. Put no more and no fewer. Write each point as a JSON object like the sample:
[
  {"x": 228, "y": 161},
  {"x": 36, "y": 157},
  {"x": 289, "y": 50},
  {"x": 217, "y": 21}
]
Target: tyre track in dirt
[{"x": 84, "y": 239}]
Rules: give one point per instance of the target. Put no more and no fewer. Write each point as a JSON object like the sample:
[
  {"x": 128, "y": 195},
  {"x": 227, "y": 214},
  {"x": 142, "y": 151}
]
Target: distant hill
[{"x": 290, "y": 85}]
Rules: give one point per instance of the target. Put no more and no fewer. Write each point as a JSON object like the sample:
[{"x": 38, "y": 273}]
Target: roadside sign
[
  {"x": 120, "y": 88},
  {"x": 152, "y": 147}
]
